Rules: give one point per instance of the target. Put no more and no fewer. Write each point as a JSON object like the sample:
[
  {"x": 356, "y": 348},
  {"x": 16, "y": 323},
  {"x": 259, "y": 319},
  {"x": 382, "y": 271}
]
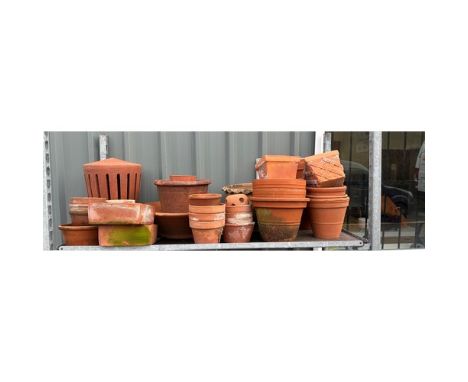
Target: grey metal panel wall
[{"x": 224, "y": 157}]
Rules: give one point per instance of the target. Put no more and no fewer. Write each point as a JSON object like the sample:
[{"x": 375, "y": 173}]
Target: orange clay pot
[
  {"x": 78, "y": 208},
  {"x": 183, "y": 178},
  {"x": 79, "y": 235},
  {"x": 279, "y": 219},
  {"x": 204, "y": 199},
  {"x": 277, "y": 166},
  {"x": 326, "y": 191},
  {"x": 279, "y": 183},
  {"x": 236, "y": 209},
  {"x": 327, "y": 217},
  {"x": 239, "y": 218},
  {"x": 206, "y": 217},
  {"x": 274, "y": 192},
  {"x": 237, "y": 200},
  {"x": 207, "y": 232},
  {"x": 234, "y": 233},
  {"x": 220, "y": 208}
]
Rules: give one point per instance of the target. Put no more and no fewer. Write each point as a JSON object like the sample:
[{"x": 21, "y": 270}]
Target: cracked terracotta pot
[
  {"x": 78, "y": 209},
  {"x": 206, "y": 199},
  {"x": 174, "y": 194},
  {"x": 279, "y": 218},
  {"x": 113, "y": 179},
  {"x": 277, "y": 166},
  {"x": 234, "y": 233},
  {"x": 127, "y": 235},
  {"x": 207, "y": 232},
  {"x": 327, "y": 217},
  {"x": 118, "y": 212},
  {"x": 79, "y": 235},
  {"x": 326, "y": 191},
  {"x": 237, "y": 200}
]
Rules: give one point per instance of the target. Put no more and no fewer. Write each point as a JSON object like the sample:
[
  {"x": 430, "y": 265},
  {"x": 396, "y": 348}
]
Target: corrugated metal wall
[{"x": 223, "y": 157}]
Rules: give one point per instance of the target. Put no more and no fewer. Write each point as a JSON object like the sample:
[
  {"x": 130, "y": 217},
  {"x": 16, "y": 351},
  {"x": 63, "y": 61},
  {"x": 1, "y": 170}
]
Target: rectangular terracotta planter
[
  {"x": 120, "y": 212},
  {"x": 127, "y": 235},
  {"x": 325, "y": 170},
  {"x": 278, "y": 166}
]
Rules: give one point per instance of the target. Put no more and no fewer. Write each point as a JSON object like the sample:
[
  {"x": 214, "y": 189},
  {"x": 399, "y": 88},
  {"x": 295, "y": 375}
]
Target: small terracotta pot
[
  {"x": 237, "y": 200},
  {"x": 173, "y": 225},
  {"x": 127, "y": 235},
  {"x": 207, "y": 224},
  {"x": 279, "y": 219},
  {"x": 207, "y": 236},
  {"x": 183, "y": 178},
  {"x": 278, "y": 183},
  {"x": 204, "y": 199},
  {"x": 206, "y": 217},
  {"x": 277, "y": 166},
  {"x": 79, "y": 235},
  {"x": 327, "y": 217},
  {"x": 326, "y": 191},
  {"x": 236, "y": 209},
  {"x": 174, "y": 195},
  {"x": 275, "y": 192},
  {"x": 207, "y": 209},
  {"x": 239, "y": 218},
  {"x": 78, "y": 208},
  {"x": 234, "y": 233}
]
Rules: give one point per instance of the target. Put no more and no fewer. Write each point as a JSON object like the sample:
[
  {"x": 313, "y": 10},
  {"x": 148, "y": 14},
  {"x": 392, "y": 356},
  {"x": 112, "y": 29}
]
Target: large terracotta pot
[
  {"x": 127, "y": 235},
  {"x": 173, "y": 225},
  {"x": 207, "y": 232},
  {"x": 279, "y": 219},
  {"x": 279, "y": 183},
  {"x": 113, "y": 179},
  {"x": 327, "y": 217},
  {"x": 79, "y": 235},
  {"x": 174, "y": 195},
  {"x": 326, "y": 191},
  {"x": 204, "y": 199},
  {"x": 275, "y": 192},
  {"x": 234, "y": 233},
  {"x": 277, "y": 166},
  {"x": 78, "y": 208}
]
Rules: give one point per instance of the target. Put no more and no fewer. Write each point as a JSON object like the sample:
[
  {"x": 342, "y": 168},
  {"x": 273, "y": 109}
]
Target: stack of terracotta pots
[
  {"x": 80, "y": 232},
  {"x": 239, "y": 219},
  {"x": 279, "y": 197},
  {"x": 206, "y": 217},
  {"x": 123, "y": 223},
  {"x": 328, "y": 199},
  {"x": 172, "y": 214}
]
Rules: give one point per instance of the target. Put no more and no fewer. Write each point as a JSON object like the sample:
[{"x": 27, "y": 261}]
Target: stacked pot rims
[
  {"x": 279, "y": 198},
  {"x": 207, "y": 217},
  {"x": 172, "y": 216},
  {"x": 80, "y": 232},
  {"x": 239, "y": 219}
]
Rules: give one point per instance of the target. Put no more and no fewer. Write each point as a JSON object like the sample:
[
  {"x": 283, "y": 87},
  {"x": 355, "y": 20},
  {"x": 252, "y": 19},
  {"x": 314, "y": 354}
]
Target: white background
[{"x": 214, "y": 65}]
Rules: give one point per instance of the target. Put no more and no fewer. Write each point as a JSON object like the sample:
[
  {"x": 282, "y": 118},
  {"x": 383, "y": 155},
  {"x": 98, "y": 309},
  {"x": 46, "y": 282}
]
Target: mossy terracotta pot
[
  {"x": 327, "y": 217},
  {"x": 234, "y": 233},
  {"x": 279, "y": 218},
  {"x": 237, "y": 200},
  {"x": 219, "y": 208},
  {"x": 173, "y": 225},
  {"x": 174, "y": 194},
  {"x": 277, "y": 166},
  {"x": 207, "y": 232},
  {"x": 78, "y": 209},
  {"x": 206, "y": 199},
  {"x": 79, "y": 235},
  {"x": 127, "y": 235},
  {"x": 326, "y": 191},
  {"x": 113, "y": 179}
]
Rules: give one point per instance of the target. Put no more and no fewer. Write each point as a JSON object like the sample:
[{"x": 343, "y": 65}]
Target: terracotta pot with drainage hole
[{"x": 237, "y": 200}]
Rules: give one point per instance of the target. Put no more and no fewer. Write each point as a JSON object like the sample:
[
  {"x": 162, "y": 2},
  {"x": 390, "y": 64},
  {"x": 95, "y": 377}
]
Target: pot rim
[
  {"x": 268, "y": 182},
  {"x": 70, "y": 227},
  {"x": 217, "y": 208},
  {"x": 168, "y": 182},
  {"x": 205, "y": 196},
  {"x": 269, "y": 199},
  {"x": 238, "y": 225},
  {"x": 170, "y": 214}
]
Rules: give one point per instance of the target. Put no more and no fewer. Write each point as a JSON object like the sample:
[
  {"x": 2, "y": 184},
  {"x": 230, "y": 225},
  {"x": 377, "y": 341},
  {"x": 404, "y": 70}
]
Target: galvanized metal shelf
[{"x": 304, "y": 240}]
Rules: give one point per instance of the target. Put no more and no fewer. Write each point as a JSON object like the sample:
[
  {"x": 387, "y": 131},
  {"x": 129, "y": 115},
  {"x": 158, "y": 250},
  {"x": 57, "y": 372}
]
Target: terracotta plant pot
[
  {"x": 173, "y": 225},
  {"x": 78, "y": 208},
  {"x": 174, "y": 195},
  {"x": 239, "y": 218},
  {"x": 326, "y": 191},
  {"x": 325, "y": 170},
  {"x": 206, "y": 217},
  {"x": 279, "y": 219},
  {"x": 327, "y": 217},
  {"x": 220, "y": 208},
  {"x": 113, "y": 179},
  {"x": 204, "y": 199},
  {"x": 79, "y": 235},
  {"x": 234, "y": 233},
  {"x": 277, "y": 166},
  {"x": 237, "y": 200},
  {"x": 284, "y": 192},
  {"x": 127, "y": 235},
  {"x": 120, "y": 212},
  {"x": 207, "y": 232},
  {"x": 236, "y": 209},
  {"x": 183, "y": 178},
  {"x": 279, "y": 183}
]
